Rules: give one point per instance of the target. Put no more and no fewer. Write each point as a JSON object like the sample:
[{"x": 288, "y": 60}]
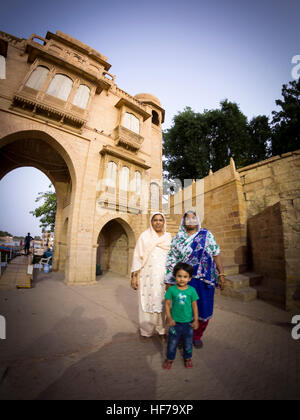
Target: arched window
[
  {"x": 60, "y": 87},
  {"x": 131, "y": 122},
  {"x": 82, "y": 96},
  {"x": 2, "y": 67},
  {"x": 111, "y": 175},
  {"x": 154, "y": 196},
  {"x": 137, "y": 182},
  {"x": 155, "y": 118},
  {"x": 37, "y": 77},
  {"x": 124, "y": 179}
]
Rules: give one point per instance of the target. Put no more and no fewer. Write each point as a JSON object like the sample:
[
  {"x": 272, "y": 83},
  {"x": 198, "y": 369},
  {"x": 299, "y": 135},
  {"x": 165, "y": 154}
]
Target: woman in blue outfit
[{"x": 197, "y": 246}]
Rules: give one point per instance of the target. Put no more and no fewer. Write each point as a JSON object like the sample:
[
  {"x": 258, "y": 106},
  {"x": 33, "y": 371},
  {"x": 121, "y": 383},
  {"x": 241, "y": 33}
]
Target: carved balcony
[{"x": 128, "y": 139}]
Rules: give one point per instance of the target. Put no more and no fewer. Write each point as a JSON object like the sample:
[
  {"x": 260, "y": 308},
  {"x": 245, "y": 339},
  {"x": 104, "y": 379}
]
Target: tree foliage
[
  {"x": 4, "y": 233},
  {"x": 47, "y": 211},
  {"x": 286, "y": 122},
  {"x": 198, "y": 142}
]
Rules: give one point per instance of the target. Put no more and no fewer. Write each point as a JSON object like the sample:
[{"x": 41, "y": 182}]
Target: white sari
[{"x": 149, "y": 259}]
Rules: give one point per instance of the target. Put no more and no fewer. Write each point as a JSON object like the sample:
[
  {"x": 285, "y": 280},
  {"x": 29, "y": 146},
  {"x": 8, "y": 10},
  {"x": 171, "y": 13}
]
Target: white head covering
[
  {"x": 147, "y": 241},
  {"x": 182, "y": 228}
]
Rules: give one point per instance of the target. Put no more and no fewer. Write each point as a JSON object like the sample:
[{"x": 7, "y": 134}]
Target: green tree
[
  {"x": 260, "y": 140},
  {"x": 197, "y": 142},
  {"x": 229, "y": 136},
  {"x": 47, "y": 211},
  {"x": 185, "y": 146},
  {"x": 4, "y": 233},
  {"x": 286, "y": 122}
]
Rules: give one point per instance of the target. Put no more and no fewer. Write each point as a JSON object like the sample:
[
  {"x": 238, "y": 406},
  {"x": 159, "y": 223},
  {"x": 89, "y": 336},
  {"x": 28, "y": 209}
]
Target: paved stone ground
[
  {"x": 16, "y": 274},
  {"x": 81, "y": 343}
]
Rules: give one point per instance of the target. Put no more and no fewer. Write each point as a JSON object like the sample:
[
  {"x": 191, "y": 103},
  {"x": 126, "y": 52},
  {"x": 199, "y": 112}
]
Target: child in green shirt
[{"x": 180, "y": 315}]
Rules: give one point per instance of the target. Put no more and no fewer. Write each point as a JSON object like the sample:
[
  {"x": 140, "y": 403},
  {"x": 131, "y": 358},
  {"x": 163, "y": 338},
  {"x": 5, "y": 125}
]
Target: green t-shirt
[{"x": 182, "y": 303}]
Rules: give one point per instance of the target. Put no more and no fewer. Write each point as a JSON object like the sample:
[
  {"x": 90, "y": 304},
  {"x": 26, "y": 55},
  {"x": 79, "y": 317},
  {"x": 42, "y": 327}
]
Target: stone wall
[
  {"x": 219, "y": 201},
  {"x": 254, "y": 214},
  {"x": 266, "y": 252},
  {"x": 276, "y": 181}
]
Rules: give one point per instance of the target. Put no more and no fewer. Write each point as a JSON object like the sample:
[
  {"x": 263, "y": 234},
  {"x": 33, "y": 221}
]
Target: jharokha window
[
  {"x": 60, "y": 87},
  {"x": 131, "y": 122},
  {"x": 111, "y": 175},
  {"x": 154, "y": 196},
  {"x": 82, "y": 96},
  {"x": 137, "y": 182},
  {"x": 37, "y": 78},
  {"x": 124, "y": 179}
]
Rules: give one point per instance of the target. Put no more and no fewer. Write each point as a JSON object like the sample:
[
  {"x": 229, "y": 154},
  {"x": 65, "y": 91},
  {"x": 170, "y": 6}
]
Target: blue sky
[{"x": 187, "y": 53}]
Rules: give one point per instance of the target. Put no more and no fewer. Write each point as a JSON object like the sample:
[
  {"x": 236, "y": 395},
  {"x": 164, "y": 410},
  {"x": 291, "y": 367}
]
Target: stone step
[
  {"x": 244, "y": 294},
  {"x": 270, "y": 295},
  {"x": 237, "y": 281},
  {"x": 239, "y": 286},
  {"x": 254, "y": 278}
]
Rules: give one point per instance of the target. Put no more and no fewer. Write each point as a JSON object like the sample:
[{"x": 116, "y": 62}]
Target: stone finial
[
  {"x": 210, "y": 172},
  {"x": 232, "y": 164}
]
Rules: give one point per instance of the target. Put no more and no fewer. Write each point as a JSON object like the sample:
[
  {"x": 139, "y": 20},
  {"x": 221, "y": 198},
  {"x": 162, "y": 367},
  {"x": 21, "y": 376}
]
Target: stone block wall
[
  {"x": 219, "y": 201},
  {"x": 266, "y": 252},
  {"x": 254, "y": 214},
  {"x": 276, "y": 182}
]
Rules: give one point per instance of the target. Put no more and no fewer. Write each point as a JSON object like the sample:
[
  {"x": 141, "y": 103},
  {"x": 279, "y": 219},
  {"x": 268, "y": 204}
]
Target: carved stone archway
[
  {"x": 33, "y": 148},
  {"x": 116, "y": 241}
]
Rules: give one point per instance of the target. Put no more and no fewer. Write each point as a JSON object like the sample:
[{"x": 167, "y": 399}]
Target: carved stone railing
[
  {"x": 128, "y": 139},
  {"x": 48, "y": 107},
  {"x": 66, "y": 56}
]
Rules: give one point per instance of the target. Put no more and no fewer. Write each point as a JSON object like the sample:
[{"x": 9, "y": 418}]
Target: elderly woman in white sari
[{"x": 147, "y": 275}]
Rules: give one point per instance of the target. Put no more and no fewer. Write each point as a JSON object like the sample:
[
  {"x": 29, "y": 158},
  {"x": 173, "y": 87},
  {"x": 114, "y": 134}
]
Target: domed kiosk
[{"x": 158, "y": 113}]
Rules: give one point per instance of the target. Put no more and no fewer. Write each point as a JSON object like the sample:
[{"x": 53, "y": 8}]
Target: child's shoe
[
  {"x": 167, "y": 364},
  {"x": 188, "y": 363}
]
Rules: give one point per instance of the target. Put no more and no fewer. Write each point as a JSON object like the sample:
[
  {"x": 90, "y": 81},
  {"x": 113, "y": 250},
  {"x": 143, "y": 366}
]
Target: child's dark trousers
[{"x": 186, "y": 331}]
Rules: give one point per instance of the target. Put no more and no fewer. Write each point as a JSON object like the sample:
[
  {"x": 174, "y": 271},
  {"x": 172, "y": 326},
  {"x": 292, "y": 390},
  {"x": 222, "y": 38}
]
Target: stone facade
[
  {"x": 272, "y": 192},
  {"x": 62, "y": 112}
]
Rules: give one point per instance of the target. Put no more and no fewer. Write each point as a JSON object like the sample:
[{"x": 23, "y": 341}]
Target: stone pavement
[
  {"x": 67, "y": 342},
  {"x": 15, "y": 275}
]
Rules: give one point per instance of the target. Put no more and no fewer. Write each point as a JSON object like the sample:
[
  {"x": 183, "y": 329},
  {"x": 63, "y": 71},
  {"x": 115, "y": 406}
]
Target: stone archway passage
[
  {"x": 41, "y": 151},
  {"x": 113, "y": 252}
]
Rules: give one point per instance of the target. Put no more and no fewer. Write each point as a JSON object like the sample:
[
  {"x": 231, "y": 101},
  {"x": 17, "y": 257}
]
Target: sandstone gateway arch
[{"x": 62, "y": 113}]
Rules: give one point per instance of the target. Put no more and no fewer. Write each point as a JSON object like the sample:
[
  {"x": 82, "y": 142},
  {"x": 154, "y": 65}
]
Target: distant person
[
  {"x": 47, "y": 254},
  {"x": 27, "y": 241}
]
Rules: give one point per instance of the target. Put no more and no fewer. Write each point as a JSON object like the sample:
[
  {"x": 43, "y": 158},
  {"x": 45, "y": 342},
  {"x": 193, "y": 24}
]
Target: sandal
[
  {"x": 188, "y": 363},
  {"x": 198, "y": 344},
  {"x": 167, "y": 364}
]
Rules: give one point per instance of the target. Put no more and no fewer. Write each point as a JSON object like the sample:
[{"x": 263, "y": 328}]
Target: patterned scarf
[{"x": 191, "y": 250}]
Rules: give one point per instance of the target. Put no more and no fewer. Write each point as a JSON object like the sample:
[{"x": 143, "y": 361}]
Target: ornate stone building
[{"x": 62, "y": 112}]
